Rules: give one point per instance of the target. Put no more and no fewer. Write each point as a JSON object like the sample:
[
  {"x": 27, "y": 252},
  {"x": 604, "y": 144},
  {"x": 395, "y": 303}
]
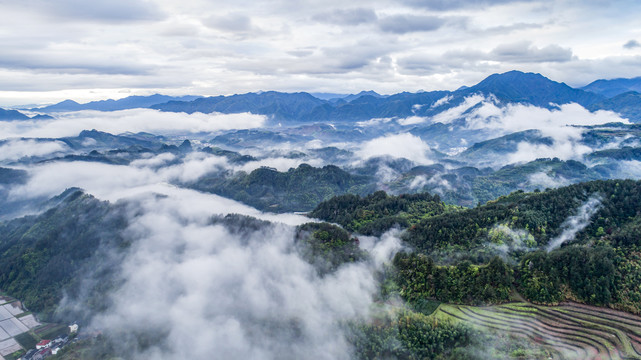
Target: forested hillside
[
  {"x": 511, "y": 245},
  {"x": 45, "y": 256},
  {"x": 298, "y": 189}
]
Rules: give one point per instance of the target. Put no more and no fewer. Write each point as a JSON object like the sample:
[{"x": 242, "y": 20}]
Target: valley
[{"x": 497, "y": 221}]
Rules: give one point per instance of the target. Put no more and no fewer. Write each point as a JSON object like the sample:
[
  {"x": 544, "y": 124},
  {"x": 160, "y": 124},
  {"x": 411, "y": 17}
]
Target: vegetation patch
[{"x": 570, "y": 330}]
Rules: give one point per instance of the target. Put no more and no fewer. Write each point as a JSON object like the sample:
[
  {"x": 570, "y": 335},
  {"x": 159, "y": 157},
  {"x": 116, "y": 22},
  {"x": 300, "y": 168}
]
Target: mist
[
  {"x": 134, "y": 120},
  {"x": 564, "y": 124},
  {"x": 213, "y": 292},
  {"x": 575, "y": 223},
  {"x": 402, "y": 145},
  {"x": 16, "y": 149}
]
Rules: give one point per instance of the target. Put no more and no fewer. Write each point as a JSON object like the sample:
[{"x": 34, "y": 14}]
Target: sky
[{"x": 90, "y": 50}]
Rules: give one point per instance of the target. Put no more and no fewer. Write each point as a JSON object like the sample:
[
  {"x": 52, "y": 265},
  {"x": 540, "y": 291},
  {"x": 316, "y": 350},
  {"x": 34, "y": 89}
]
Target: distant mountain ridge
[
  {"x": 130, "y": 102},
  {"x": 531, "y": 88},
  {"x": 614, "y": 87},
  {"x": 510, "y": 87},
  {"x": 10, "y": 115}
]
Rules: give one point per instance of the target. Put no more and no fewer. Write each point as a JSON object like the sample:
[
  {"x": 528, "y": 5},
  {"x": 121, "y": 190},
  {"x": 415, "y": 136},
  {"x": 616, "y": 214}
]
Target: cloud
[
  {"x": 354, "y": 16},
  {"x": 110, "y": 11},
  {"x": 443, "y": 5},
  {"x": 511, "y": 55},
  {"x": 373, "y": 122},
  {"x": 442, "y": 101},
  {"x": 402, "y": 24},
  {"x": 629, "y": 169},
  {"x": 631, "y": 44},
  {"x": 575, "y": 223},
  {"x": 249, "y": 294},
  {"x": 506, "y": 241},
  {"x": 457, "y": 111},
  {"x": 552, "y": 122},
  {"x": 235, "y": 22},
  {"x": 543, "y": 181},
  {"x": 62, "y": 60},
  {"x": 561, "y": 124},
  {"x": 17, "y": 149},
  {"x": 411, "y": 120},
  {"x": 565, "y": 149},
  {"x": 134, "y": 120},
  {"x": 403, "y": 145},
  {"x": 524, "y": 52}
]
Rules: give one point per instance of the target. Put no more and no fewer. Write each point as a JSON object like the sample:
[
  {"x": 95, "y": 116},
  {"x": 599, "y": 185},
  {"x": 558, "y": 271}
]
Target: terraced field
[{"x": 570, "y": 331}]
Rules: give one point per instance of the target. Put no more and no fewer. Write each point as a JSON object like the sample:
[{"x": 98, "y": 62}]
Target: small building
[
  {"x": 43, "y": 344},
  {"x": 43, "y": 353},
  {"x": 73, "y": 328}
]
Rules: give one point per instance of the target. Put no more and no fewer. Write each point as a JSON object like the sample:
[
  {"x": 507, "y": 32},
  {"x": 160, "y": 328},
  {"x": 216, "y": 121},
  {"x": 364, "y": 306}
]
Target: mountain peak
[
  {"x": 12, "y": 115},
  {"x": 614, "y": 87},
  {"x": 532, "y": 88}
]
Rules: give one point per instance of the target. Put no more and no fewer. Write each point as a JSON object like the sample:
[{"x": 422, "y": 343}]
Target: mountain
[
  {"x": 367, "y": 107},
  {"x": 372, "y": 93},
  {"x": 95, "y": 139},
  {"x": 282, "y": 106},
  {"x": 328, "y": 96},
  {"x": 486, "y": 152},
  {"x": 511, "y": 87},
  {"x": 12, "y": 115},
  {"x": 44, "y": 255},
  {"x": 628, "y": 105},
  {"x": 378, "y": 212},
  {"x": 530, "y": 88},
  {"x": 614, "y": 87},
  {"x": 130, "y": 102},
  {"x": 299, "y": 189}
]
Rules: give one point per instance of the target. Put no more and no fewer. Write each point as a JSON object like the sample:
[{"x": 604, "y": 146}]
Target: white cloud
[
  {"x": 518, "y": 117},
  {"x": 249, "y": 295},
  {"x": 456, "y": 112},
  {"x": 411, "y": 120},
  {"x": 575, "y": 223},
  {"x": 442, "y": 101},
  {"x": 404, "y": 145},
  {"x": 544, "y": 180},
  {"x": 174, "y": 51},
  {"x": 17, "y": 149},
  {"x": 372, "y": 122},
  {"x": 135, "y": 120},
  {"x": 112, "y": 182},
  {"x": 561, "y": 124},
  {"x": 564, "y": 150}
]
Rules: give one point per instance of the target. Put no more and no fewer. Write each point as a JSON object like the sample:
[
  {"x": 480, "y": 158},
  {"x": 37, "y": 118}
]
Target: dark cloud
[
  {"x": 632, "y": 44},
  {"x": 353, "y": 16},
  {"x": 402, "y": 24},
  {"x": 70, "y": 63},
  {"x": 506, "y": 29},
  {"x": 236, "y": 23},
  {"x": 95, "y": 10},
  {"x": 470, "y": 59},
  {"x": 525, "y": 52},
  {"x": 449, "y": 61},
  {"x": 340, "y": 59}
]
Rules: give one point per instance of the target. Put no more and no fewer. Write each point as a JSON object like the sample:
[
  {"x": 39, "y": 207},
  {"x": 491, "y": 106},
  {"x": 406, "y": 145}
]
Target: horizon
[
  {"x": 110, "y": 49},
  {"x": 151, "y": 92}
]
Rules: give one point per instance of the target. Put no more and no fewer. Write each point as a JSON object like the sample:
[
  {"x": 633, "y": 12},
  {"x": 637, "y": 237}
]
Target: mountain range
[
  {"x": 515, "y": 87},
  {"x": 130, "y": 102}
]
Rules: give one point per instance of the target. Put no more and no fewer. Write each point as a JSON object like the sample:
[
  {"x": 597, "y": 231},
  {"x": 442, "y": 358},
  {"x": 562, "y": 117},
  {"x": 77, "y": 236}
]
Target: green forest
[{"x": 495, "y": 253}]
